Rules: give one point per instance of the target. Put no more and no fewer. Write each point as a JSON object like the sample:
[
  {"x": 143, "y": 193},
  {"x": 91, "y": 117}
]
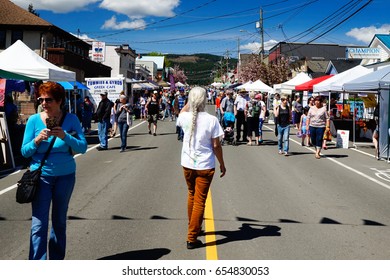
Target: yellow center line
[{"x": 211, "y": 248}]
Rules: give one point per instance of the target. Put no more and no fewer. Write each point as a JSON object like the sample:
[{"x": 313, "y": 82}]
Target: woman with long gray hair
[{"x": 201, "y": 144}]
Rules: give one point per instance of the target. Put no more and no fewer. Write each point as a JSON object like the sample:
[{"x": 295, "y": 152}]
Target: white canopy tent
[
  {"x": 244, "y": 86},
  {"x": 258, "y": 86},
  {"x": 216, "y": 84},
  {"x": 288, "y": 86},
  {"x": 335, "y": 83},
  {"x": 20, "y": 62},
  {"x": 179, "y": 84},
  {"x": 377, "y": 81}
]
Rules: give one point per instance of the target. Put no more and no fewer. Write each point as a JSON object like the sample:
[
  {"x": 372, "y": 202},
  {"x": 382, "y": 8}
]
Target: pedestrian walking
[
  {"x": 262, "y": 117},
  {"x": 124, "y": 114},
  {"x": 252, "y": 114},
  {"x": 179, "y": 102},
  {"x": 103, "y": 114},
  {"x": 283, "y": 115},
  {"x": 318, "y": 122},
  {"x": 218, "y": 106},
  {"x": 113, "y": 119},
  {"x": 296, "y": 111},
  {"x": 152, "y": 110},
  {"x": 201, "y": 144},
  {"x": 88, "y": 110},
  {"x": 303, "y": 130},
  {"x": 239, "y": 112},
  {"x": 58, "y": 172},
  {"x": 142, "y": 102},
  {"x": 227, "y": 109}
]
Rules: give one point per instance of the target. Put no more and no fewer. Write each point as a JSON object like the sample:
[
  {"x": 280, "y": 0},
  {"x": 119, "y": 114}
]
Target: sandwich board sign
[{"x": 342, "y": 139}]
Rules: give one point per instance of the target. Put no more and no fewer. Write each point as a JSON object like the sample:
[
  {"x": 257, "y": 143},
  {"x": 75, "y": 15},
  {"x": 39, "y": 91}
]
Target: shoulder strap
[{"x": 52, "y": 141}]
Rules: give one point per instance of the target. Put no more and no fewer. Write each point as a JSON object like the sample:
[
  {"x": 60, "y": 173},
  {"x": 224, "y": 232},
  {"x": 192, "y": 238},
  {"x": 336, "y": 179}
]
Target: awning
[
  {"x": 70, "y": 85},
  {"x": 309, "y": 84}
]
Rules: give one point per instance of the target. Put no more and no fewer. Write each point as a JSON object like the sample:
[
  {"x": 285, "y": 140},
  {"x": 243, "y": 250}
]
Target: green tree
[{"x": 31, "y": 10}]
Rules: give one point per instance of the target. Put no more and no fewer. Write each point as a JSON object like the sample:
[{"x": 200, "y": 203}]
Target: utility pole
[
  {"x": 238, "y": 61},
  {"x": 261, "y": 31},
  {"x": 227, "y": 56}
]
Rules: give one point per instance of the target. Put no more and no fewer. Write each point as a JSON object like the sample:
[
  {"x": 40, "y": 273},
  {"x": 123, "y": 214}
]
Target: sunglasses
[{"x": 47, "y": 100}]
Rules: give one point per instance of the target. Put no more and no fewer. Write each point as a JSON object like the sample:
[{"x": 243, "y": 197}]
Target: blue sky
[{"x": 216, "y": 26}]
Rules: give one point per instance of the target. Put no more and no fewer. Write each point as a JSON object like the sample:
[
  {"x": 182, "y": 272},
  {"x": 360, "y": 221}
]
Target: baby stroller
[{"x": 228, "y": 124}]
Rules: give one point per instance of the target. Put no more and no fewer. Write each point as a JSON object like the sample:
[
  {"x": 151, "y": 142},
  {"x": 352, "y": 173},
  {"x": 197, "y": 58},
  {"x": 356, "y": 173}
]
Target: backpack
[{"x": 256, "y": 109}]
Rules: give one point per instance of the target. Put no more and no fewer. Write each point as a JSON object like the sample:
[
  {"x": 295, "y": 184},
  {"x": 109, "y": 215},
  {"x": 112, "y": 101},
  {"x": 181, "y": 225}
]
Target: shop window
[{"x": 16, "y": 35}]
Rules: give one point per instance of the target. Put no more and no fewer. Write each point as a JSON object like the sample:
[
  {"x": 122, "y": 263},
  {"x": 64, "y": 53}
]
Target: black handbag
[{"x": 29, "y": 183}]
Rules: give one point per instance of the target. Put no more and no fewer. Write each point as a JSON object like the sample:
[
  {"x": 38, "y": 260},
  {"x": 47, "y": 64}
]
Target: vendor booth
[
  {"x": 377, "y": 82},
  {"x": 344, "y": 115},
  {"x": 19, "y": 62},
  {"x": 289, "y": 86},
  {"x": 258, "y": 86}
]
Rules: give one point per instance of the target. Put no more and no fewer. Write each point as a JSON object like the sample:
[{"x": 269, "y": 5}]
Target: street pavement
[{"x": 132, "y": 205}]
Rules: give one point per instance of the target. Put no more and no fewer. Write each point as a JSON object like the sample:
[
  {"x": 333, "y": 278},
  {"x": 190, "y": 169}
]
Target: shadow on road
[
  {"x": 149, "y": 254},
  {"x": 245, "y": 232}
]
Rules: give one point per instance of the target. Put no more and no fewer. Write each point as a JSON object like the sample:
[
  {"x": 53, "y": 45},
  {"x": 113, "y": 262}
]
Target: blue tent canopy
[{"x": 70, "y": 85}]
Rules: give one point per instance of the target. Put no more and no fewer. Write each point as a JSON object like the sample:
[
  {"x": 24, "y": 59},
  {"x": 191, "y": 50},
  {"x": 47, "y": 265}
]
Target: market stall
[
  {"x": 344, "y": 115},
  {"x": 19, "y": 62},
  {"x": 377, "y": 82},
  {"x": 289, "y": 86}
]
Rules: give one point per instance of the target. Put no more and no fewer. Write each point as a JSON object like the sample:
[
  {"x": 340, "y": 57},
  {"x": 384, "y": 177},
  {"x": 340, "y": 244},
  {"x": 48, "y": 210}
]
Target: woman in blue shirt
[{"x": 58, "y": 172}]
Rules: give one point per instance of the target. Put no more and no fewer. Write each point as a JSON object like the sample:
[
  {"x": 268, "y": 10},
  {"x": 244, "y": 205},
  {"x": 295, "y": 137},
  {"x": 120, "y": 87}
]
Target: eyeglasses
[
  {"x": 47, "y": 100},
  {"x": 283, "y": 99}
]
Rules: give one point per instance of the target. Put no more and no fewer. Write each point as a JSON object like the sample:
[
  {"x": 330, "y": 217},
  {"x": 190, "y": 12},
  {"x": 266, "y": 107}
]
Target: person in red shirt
[{"x": 218, "y": 105}]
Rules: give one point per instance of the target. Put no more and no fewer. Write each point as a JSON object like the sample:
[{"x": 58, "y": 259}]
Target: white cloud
[
  {"x": 366, "y": 34},
  {"x": 56, "y": 6},
  {"x": 141, "y": 8},
  {"x": 255, "y": 47},
  {"x": 113, "y": 24},
  {"x": 84, "y": 37}
]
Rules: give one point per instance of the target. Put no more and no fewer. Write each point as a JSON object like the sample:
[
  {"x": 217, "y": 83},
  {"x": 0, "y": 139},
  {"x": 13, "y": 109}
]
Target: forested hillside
[{"x": 201, "y": 69}]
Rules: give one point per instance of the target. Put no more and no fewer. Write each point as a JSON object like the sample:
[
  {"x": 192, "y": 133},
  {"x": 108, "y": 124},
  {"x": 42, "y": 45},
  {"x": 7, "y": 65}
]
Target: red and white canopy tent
[{"x": 308, "y": 86}]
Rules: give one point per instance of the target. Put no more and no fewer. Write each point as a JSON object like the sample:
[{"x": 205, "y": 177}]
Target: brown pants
[{"x": 198, "y": 182}]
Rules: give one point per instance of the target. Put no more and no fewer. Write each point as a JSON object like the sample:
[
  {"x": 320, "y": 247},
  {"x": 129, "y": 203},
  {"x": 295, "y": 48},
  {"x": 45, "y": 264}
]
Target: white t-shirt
[{"x": 201, "y": 155}]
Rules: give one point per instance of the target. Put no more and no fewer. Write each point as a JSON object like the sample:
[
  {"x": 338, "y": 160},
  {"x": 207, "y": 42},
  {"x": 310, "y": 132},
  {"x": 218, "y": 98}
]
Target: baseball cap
[{"x": 104, "y": 93}]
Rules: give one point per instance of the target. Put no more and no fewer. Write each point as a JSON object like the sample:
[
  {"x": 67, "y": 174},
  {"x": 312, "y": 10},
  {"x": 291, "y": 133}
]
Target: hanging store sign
[
  {"x": 363, "y": 53},
  {"x": 98, "y": 51}
]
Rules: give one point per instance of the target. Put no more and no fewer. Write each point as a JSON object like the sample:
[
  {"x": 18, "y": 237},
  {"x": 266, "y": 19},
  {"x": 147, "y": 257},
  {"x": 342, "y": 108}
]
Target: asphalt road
[{"x": 132, "y": 205}]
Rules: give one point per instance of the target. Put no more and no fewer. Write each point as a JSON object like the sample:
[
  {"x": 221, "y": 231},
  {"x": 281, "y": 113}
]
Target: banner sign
[
  {"x": 97, "y": 86},
  {"x": 98, "y": 51},
  {"x": 363, "y": 53}
]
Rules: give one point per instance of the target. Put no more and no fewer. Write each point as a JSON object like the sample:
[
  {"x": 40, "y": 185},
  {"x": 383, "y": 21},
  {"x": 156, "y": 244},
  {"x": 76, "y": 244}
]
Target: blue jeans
[
  {"x": 283, "y": 137},
  {"x": 103, "y": 133},
  {"x": 56, "y": 189},
  {"x": 261, "y": 122},
  {"x": 123, "y": 128},
  {"x": 316, "y": 136},
  {"x": 219, "y": 116}
]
